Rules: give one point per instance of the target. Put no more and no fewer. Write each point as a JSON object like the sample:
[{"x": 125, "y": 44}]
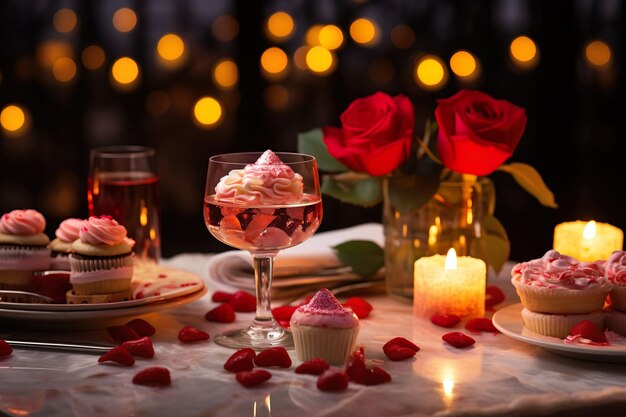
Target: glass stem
[{"x": 263, "y": 270}]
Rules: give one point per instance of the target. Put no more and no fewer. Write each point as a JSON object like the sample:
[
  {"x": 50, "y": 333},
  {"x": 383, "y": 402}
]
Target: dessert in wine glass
[{"x": 262, "y": 203}]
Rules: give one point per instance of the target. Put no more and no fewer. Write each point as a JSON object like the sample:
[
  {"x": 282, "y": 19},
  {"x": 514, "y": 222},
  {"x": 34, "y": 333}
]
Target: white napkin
[{"x": 233, "y": 269}]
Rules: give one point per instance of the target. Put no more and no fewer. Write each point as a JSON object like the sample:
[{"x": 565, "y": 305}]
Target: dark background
[{"x": 574, "y": 137}]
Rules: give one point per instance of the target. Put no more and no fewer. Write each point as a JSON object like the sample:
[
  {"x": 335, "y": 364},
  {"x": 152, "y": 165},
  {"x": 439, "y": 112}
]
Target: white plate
[
  {"x": 89, "y": 319},
  {"x": 151, "y": 284},
  {"x": 509, "y": 321}
]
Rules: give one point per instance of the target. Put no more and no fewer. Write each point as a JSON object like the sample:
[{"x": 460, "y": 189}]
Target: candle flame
[
  {"x": 590, "y": 230},
  {"x": 451, "y": 259}
]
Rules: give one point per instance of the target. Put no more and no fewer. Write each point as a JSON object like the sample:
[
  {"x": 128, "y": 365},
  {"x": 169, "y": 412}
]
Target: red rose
[
  {"x": 375, "y": 136},
  {"x": 477, "y": 133}
]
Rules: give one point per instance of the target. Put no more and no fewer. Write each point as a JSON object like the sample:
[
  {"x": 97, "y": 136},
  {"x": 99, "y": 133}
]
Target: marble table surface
[{"x": 497, "y": 376}]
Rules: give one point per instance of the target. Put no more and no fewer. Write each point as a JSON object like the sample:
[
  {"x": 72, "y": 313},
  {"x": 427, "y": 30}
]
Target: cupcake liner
[
  {"x": 561, "y": 300},
  {"x": 617, "y": 322},
  {"x": 31, "y": 258},
  {"x": 332, "y": 344},
  {"x": 559, "y": 325},
  {"x": 78, "y": 264},
  {"x": 618, "y": 298}
]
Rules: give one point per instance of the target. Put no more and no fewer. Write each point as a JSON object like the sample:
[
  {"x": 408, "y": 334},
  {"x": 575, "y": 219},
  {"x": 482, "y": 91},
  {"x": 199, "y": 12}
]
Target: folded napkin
[{"x": 312, "y": 263}]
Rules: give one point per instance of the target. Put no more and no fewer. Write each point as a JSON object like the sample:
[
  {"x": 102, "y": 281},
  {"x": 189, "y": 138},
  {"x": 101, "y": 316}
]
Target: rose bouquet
[{"x": 376, "y": 154}]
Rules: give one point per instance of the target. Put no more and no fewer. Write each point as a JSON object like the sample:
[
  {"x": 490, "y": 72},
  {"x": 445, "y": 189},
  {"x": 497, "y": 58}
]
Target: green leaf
[
  {"x": 363, "y": 256},
  {"x": 353, "y": 188},
  {"x": 312, "y": 143},
  {"x": 530, "y": 180},
  {"x": 494, "y": 246},
  {"x": 410, "y": 192}
]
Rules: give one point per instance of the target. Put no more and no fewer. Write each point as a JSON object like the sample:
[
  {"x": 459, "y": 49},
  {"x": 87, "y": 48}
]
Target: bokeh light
[
  {"x": 363, "y": 31},
  {"x": 276, "y": 97},
  {"x": 463, "y": 64},
  {"x": 157, "y": 103},
  {"x": 64, "y": 20},
  {"x": 225, "y": 73},
  {"x": 49, "y": 52},
  {"x": 430, "y": 72},
  {"x": 93, "y": 57},
  {"x": 319, "y": 60},
  {"x": 524, "y": 52},
  {"x": 13, "y": 119},
  {"x": 402, "y": 37},
  {"x": 124, "y": 20},
  {"x": 274, "y": 61},
  {"x": 207, "y": 111},
  {"x": 312, "y": 36},
  {"x": 299, "y": 57},
  {"x": 330, "y": 37},
  {"x": 125, "y": 71},
  {"x": 64, "y": 69},
  {"x": 225, "y": 28},
  {"x": 280, "y": 26},
  {"x": 171, "y": 47},
  {"x": 598, "y": 53}
]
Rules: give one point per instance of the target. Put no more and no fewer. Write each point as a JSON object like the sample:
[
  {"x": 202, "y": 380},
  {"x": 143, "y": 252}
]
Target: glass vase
[{"x": 452, "y": 218}]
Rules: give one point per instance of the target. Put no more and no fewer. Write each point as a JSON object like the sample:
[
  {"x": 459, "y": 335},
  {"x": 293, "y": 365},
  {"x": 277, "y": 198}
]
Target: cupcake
[
  {"x": 66, "y": 234},
  {"x": 101, "y": 259},
  {"x": 558, "y": 291},
  {"x": 23, "y": 248},
  {"x": 615, "y": 271},
  {"x": 325, "y": 329}
]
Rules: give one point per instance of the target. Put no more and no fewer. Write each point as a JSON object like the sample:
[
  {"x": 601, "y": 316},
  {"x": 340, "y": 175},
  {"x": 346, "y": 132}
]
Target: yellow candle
[
  {"x": 449, "y": 285},
  {"x": 587, "y": 241}
]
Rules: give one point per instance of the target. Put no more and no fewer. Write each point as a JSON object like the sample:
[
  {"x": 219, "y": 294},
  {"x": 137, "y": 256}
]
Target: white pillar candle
[
  {"x": 449, "y": 285},
  {"x": 587, "y": 241}
]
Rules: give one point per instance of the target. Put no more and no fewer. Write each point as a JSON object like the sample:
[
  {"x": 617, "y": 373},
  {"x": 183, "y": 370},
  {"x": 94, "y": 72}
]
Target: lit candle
[
  {"x": 587, "y": 241},
  {"x": 449, "y": 285}
]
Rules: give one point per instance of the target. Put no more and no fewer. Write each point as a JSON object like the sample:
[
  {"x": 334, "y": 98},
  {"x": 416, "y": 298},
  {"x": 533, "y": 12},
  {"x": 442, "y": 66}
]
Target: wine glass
[
  {"x": 123, "y": 184},
  {"x": 262, "y": 228}
]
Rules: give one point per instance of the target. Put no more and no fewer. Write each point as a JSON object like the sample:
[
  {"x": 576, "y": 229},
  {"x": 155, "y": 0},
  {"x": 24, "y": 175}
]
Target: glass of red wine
[
  {"x": 263, "y": 216},
  {"x": 123, "y": 183}
]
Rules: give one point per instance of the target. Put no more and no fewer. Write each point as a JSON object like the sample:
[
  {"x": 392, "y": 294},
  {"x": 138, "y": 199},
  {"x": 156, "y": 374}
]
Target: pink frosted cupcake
[
  {"x": 66, "y": 234},
  {"x": 325, "y": 329},
  {"x": 23, "y": 248},
  {"x": 101, "y": 259},
  {"x": 558, "y": 291},
  {"x": 615, "y": 271}
]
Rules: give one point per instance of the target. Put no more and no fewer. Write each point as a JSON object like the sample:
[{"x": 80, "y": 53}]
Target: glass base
[{"x": 256, "y": 337}]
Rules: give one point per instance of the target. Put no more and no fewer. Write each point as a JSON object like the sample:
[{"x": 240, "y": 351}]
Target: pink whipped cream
[
  {"x": 615, "y": 268},
  {"x": 267, "y": 181},
  {"x": 324, "y": 311},
  {"x": 103, "y": 230},
  {"x": 69, "y": 229},
  {"x": 22, "y": 222},
  {"x": 554, "y": 270}
]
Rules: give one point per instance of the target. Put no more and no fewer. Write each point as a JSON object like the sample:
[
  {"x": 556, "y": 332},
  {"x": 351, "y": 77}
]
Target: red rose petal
[
  {"x": 5, "y": 348},
  {"x": 448, "y": 320},
  {"x": 252, "y": 378},
  {"x": 283, "y": 315},
  {"x": 189, "y": 334},
  {"x": 242, "y": 360},
  {"x": 481, "y": 324},
  {"x": 243, "y": 302},
  {"x": 402, "y": 342},
  {"x": 588, "y": 330},
  {"x": 359, "y": 306},
  {"x": 141, "y": 327},
  {"x": 398, "y": 353},
  {"x": 358, "y": 372},
  {"x": 224, "y": 313},
  {"x": 122, "y": 333},
  {"x": 493, "y": 297},
  {"x": 274, "y": 356},
  {"x": 118, "y": 354},
  {"x": 221, "y": 297},
  {"x": 315, "y": 366},
  {"x": 142, "y": 347},
  {"x": 458, "y": 339},
  {"x": 154, "y": 376},
  {"x": 332, "y": 380}
]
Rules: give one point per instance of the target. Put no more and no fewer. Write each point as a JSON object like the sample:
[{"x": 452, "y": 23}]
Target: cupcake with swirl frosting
[
  {"x": 615, "y": 271},
  {"x": 66, "y": 234},
  {"x": 559, "y": 291},
  {"x": 23, "y": 248},
  {"x": 101, "y": 260},
  {"x": 325, "y": 329}
]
